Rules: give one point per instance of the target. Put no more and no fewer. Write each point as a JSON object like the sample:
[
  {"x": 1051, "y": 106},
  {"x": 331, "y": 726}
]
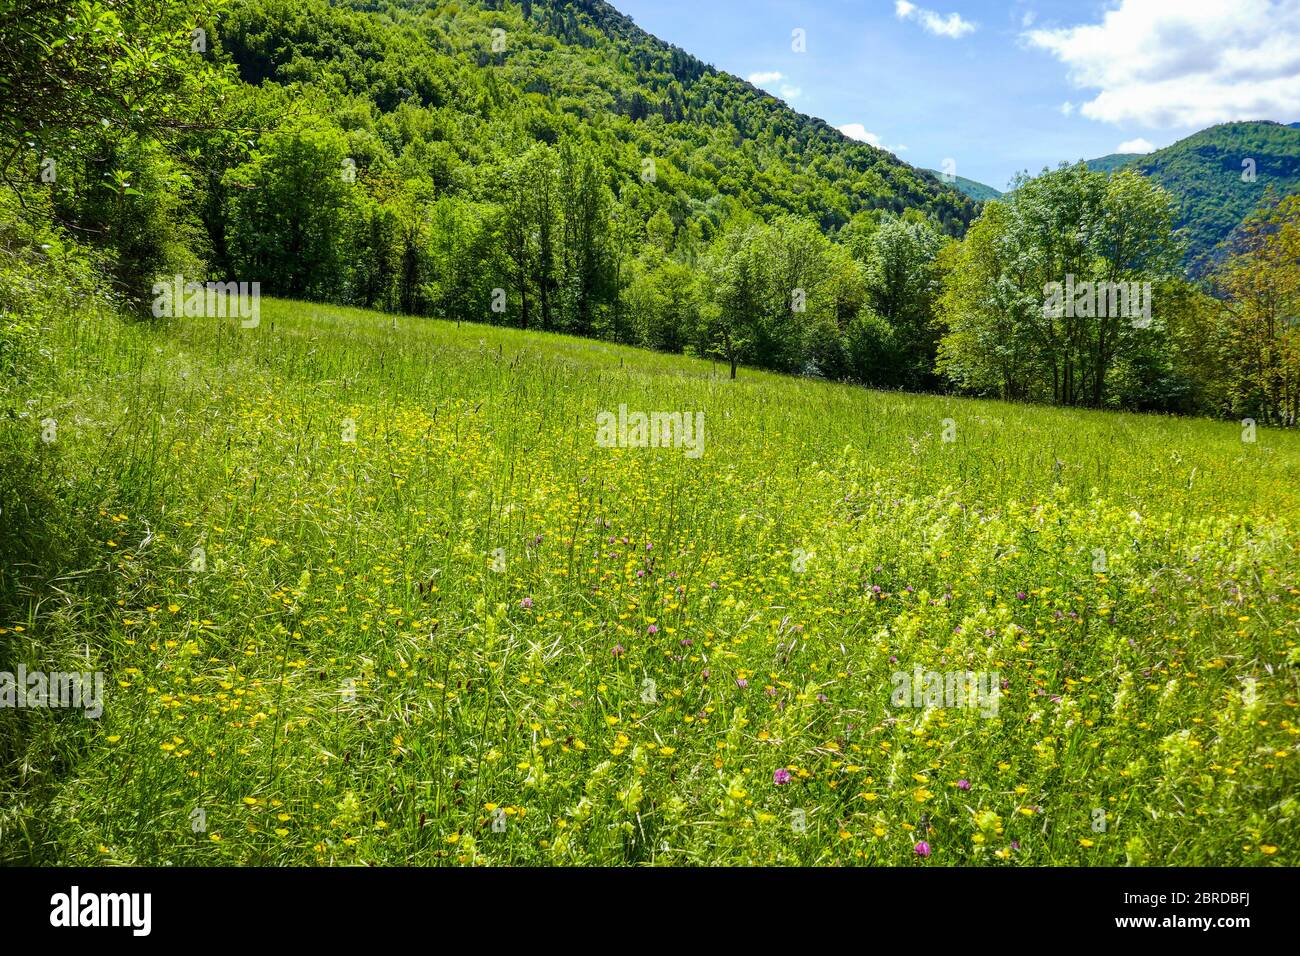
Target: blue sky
[{"x": 999, "y": 86}]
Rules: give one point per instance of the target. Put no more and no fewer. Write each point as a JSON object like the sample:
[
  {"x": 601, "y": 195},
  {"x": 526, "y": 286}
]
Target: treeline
[
  {"x": 1227, "y": 344},
  {"x": 546, "y": 165},
  {"x": 554, "y": 246},
  {"x": 541, "y": 164}
]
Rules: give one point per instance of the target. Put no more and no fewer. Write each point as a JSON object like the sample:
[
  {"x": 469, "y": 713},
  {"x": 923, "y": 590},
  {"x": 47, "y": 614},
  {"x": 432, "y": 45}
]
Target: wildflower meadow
[{"x": 379, "y": 590}]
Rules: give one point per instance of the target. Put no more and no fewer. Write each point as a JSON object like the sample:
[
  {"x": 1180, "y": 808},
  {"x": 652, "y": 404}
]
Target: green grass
[{"x": 348, "y": 680}]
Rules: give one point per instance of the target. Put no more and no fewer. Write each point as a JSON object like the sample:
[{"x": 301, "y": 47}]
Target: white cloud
[
  {"x": 1067, "y": 108},
  {"x": 950, "y": 26},
  {"x": 1184, "y": 62},
  {"x": 862, "y": 135},
  {"x": 1138, "y": 145},
  {"x": 771, "y": 80},
  {"x": 859, "y": 132}
]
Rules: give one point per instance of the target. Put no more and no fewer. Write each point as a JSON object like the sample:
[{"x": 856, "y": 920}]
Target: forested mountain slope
[
  {"x": 1112, "y": 161},
  {"x": 1219, "y": 176},
  {"x": 975, "y": 190},
  {"x": 577, "y": 70}
]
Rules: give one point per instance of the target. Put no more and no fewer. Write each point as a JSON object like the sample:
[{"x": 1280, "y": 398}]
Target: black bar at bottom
[{"x": 333, "y": 906}]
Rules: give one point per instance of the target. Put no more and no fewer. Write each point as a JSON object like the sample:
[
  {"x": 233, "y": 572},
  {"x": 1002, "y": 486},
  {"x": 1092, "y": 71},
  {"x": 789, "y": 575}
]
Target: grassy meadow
[{"x": 366, "y": 590}]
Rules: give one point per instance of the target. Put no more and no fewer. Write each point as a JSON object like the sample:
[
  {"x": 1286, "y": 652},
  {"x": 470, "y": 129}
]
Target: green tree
[
  {"x": 665, "y": 299},
  {"x": 659, "y": 231},
  {"x": 1051, "y": 293},
  {"x": 67, "y": 69},
  {"x": 290, "y": 207},
  {"x": 1259, "y": 288},
  {"x": 729, "y": 315},
  {"x": 986, "y": 308},
  {"x": 902, "y": 281}
]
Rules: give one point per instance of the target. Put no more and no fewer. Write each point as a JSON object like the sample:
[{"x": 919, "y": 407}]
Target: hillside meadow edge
[{"x": 483, "y": 434}]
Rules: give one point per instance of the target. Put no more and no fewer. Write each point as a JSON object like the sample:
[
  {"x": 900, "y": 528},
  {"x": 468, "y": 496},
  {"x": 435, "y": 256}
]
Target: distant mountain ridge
[
  {"x": 1219, "y": 176},
  {"x": 977, "y": 191},
  {"x": 1112, "y": 161}
]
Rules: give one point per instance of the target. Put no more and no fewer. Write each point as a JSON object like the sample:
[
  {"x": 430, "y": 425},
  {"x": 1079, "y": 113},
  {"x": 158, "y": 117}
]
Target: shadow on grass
[{"x": 45, "y": 537}]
